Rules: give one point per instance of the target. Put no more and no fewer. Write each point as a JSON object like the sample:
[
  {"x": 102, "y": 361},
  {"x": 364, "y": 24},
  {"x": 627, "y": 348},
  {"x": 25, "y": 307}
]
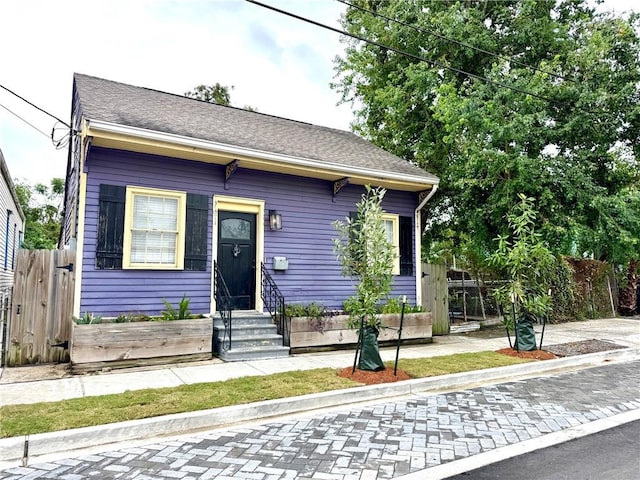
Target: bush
[
  {"x": 313, "y": 310},
  {"x": 181, "y": 313}
]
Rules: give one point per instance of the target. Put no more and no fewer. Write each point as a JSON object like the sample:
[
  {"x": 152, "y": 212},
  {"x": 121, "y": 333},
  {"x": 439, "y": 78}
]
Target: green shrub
[
  {"x": 87, "y": 318},
  {"x": 394, "y": 305},
  {"x": 314, "y": 310},
  {"x": 181, "y": 313}
]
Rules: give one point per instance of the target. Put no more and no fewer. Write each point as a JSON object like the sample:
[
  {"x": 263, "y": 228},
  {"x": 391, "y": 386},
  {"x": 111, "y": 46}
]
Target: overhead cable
[
  {"x": 402, "y": 52},
  {"x": 457, "y": 42},
  {"x": 35, "y": 106},
  {"x": 25, "y": 121}
]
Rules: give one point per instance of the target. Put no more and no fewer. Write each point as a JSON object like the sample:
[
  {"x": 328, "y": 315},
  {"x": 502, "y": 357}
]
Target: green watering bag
[
  {"x": 369, "y": 355},
  {"x": 525, "y": 334}
]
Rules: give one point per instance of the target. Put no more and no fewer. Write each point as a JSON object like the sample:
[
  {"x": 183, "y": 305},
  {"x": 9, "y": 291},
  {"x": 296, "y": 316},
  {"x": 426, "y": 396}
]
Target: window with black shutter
[{"x": 110, "y": 231}]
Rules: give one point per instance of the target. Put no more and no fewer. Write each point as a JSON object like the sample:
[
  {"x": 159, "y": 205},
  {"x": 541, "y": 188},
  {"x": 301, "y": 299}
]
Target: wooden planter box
[
  {"x": 119, "y": 345},
  {"x": 308, "y": 333}
]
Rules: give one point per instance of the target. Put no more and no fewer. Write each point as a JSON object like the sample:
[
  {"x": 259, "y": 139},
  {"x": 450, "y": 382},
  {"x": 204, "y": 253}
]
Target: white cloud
[{"x": 279, "y": 65}]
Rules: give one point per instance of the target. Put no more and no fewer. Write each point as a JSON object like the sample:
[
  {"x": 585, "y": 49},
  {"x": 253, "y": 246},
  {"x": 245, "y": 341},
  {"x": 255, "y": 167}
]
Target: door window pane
[{"x": 235, "y": 228}]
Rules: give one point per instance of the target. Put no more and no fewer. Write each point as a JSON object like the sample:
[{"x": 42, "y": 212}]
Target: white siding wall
[{"x": 11, "y": 226}]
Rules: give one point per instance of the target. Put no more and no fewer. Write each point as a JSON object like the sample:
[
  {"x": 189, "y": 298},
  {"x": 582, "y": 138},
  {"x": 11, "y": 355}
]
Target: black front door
[{"x": 237, "y": 256}]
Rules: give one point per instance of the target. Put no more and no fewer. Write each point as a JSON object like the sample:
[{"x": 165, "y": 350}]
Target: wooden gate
[
  {"x": 40, "y": 322},
  {"x": 434, "y": 296}
]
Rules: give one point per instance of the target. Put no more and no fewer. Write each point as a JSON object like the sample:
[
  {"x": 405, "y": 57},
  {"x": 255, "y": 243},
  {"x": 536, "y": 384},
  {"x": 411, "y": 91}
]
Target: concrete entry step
[{"x": 253, "y": 337}]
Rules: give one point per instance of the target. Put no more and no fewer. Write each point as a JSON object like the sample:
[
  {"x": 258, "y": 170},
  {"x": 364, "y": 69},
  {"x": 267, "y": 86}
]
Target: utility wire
[
  {"x": 401, "y": 52},
  {"x": 457, "y": 42},
  {"x": 25, "y": 121},
  {"x": 35, "y": 106}
]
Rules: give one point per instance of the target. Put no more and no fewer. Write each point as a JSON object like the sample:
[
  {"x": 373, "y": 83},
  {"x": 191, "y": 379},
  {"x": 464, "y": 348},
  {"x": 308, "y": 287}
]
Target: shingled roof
[{"x": 122, "y": 104}]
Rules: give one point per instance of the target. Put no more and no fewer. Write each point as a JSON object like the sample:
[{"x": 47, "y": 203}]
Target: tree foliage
[
  {"x": 41, "y": 205},
  {"x": 220, "y": 94},
  {"x": 555, "y": 115},
  {"x": 366, "y": 255},
  {"x": 211, "y": 93}
]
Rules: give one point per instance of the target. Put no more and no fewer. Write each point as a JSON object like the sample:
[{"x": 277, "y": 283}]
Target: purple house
[{"x": 169, "y": 196}]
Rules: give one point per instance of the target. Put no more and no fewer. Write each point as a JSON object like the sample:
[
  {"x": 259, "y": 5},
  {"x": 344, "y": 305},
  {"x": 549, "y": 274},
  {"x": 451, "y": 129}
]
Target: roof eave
[{"x": 191, "y": 146}]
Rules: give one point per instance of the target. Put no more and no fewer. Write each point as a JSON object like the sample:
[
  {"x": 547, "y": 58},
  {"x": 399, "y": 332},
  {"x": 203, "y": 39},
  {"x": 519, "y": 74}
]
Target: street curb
[{"x": 22, "y": 448}]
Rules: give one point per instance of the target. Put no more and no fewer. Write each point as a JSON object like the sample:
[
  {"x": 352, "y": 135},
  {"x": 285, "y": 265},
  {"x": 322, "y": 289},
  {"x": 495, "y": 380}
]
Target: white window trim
[
  {"x": 395, "y": 220},
  {"x": 128, "y": 224}
]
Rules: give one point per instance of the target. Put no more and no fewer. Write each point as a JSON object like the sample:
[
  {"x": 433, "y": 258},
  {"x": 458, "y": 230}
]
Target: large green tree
[
  {"x": 533, "y": 97},
  {"x": 41, "y": 205}
]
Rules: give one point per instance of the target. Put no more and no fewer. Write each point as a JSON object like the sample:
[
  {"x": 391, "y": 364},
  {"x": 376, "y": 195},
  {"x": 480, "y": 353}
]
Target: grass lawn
[{"x": 88, "y": 411}]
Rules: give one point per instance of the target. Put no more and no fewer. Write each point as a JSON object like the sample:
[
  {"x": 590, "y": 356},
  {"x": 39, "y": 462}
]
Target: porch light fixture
[{"x": 275, "y": 220}]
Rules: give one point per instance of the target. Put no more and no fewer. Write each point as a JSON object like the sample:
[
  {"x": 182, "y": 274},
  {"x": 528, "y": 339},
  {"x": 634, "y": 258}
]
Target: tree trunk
[{"x": 629, "y": 294}]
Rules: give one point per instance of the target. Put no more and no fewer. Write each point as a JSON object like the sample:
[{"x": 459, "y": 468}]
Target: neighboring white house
[{"x": 11, "y": 226}]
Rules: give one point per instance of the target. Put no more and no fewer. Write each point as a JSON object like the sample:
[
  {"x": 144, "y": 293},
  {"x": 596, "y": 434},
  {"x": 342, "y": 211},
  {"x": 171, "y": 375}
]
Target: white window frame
[
  {"x": 181, "y": 197},
  {"x": 395, "y": 222}
]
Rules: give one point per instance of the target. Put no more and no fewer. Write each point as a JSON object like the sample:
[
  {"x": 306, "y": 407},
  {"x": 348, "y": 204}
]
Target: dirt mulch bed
[
  {"x": 371, "y": 378},
  {"x": 532, "y": 354},
  {"x": 582, "y": 347}
]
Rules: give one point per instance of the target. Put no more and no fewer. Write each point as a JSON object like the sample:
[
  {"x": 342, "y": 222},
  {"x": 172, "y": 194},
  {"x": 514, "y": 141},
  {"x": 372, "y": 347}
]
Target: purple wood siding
[{"x": 307, "y": 211}]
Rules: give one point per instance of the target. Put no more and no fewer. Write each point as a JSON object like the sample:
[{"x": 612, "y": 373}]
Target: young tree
[
  {"x": 525, "y": 260},
  {"x": 367, "y": 256},
  {"x": 41, "y": 205}
]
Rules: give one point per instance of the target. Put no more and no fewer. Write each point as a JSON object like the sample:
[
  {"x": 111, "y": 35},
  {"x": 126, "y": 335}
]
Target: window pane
[
  {"x": 153, "y": 247},
  {"x": 155, "y": 213},
  {"x": 388, "y": 227},
  {"x": 154, "y": 234},
  {"x": 235, "y": 228}
]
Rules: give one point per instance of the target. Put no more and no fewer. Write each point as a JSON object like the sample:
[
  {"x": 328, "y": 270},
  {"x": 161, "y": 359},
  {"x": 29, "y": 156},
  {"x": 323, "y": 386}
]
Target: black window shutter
[
  {"x": 195, "y": 248},
  {"x": 406, "y": 246},
  {"x": 110, "y": 227}
]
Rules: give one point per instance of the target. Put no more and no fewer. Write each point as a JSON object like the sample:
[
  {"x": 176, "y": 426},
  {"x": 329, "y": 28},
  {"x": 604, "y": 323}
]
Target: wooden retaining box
[
  {"x": 120, "y": 345},
  {"x": 327, "y": 333}
]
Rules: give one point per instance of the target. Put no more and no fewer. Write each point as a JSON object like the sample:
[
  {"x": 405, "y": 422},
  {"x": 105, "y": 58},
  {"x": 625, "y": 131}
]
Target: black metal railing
[
  {"x": 223, "y": 306},
  {"x": 273, "y": 301}
]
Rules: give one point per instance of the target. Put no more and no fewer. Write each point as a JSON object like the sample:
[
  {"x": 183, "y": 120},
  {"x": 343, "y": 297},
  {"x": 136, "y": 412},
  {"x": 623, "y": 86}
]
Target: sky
[{"x": 277, "y": 64}]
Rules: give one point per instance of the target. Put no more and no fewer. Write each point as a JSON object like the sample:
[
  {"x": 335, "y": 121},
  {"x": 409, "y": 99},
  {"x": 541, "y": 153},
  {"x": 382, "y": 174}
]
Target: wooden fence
[
  {"x": 434, "y": 296},
  {"x": 39, "y": 327}
]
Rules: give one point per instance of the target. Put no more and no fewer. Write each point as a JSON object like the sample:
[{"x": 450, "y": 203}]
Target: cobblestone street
[{"x": 375, "y": 442}]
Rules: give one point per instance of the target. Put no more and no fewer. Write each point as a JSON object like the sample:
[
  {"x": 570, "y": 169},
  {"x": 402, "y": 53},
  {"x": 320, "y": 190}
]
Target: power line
[
  {"x": 35, "y": 106},
  {"x": 457, "y": 42},
  {"x": 25, "y": 121},
  {"x": 401, "y": 52}
]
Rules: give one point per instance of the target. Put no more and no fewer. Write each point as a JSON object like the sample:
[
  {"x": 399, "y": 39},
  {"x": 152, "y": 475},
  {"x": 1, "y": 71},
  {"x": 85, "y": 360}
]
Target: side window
[
  {"x": 400, "y": 234},
  {"x": 392, "y": 229}
]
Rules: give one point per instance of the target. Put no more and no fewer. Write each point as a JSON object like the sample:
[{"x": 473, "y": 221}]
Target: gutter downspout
[{"x": 418, "y": 258}]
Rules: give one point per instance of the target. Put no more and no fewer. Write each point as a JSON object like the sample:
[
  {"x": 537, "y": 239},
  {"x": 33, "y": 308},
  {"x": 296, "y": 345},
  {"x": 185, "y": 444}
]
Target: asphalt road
[{"x": 608, "y": 455}]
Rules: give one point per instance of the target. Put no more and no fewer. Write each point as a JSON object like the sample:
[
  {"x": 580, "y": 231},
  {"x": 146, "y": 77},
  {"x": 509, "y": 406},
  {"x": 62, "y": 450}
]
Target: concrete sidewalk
[{"x": 15, "y": 390}]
